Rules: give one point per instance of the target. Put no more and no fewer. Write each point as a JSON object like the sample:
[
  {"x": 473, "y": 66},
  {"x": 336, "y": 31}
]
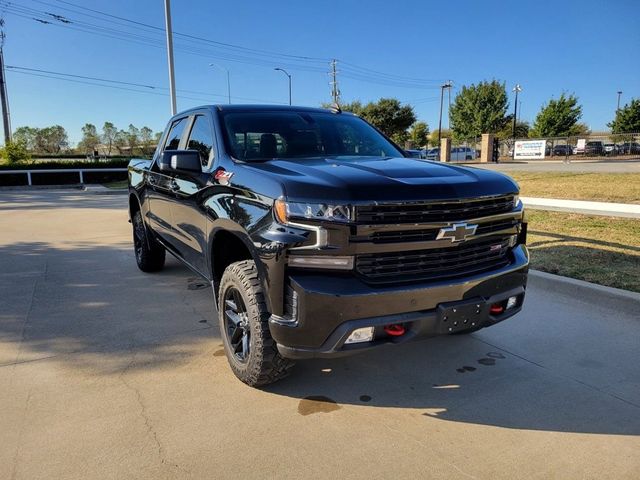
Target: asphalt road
[{"x": 106, "y": 372}]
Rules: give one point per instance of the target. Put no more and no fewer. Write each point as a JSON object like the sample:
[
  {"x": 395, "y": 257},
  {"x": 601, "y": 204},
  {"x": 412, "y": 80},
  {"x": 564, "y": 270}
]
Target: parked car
[
  {"x": 594, "y": 148},
  {"x": 320, "y": 238},
  {"x": 611, "y": 149},
  {"x": 433, "y": 154},
  {"x": 458, "y": 154},
  {"x": 629, "y": 148},
  {"x": 562, "y": 150},
  {"x": 416, "y": 153}
]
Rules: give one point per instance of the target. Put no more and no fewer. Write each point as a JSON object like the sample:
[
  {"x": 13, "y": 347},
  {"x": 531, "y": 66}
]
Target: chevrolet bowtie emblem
[{"x": 457, "y": 232}]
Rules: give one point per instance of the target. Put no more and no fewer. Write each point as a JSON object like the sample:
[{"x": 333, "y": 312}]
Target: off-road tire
[
  {"x": 150, "y": 255},
  {"x": 263, "y": 364}
]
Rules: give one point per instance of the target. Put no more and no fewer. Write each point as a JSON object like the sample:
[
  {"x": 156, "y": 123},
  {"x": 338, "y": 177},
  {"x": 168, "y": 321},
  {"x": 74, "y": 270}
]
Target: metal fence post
[
  {"x": 81, "y": 177},
  {"x": 29, "y": 178}
]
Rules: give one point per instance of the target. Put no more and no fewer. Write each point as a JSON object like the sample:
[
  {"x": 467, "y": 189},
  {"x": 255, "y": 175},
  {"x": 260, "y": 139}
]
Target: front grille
[
  {"x": 436, "y": 263},
  {"x": 447, "y": 211},
  {"x": 430, "y": 234}
]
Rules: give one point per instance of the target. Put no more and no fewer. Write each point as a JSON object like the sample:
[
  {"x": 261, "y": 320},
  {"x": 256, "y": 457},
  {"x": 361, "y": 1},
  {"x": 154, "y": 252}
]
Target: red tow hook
[
  {"x": 496, "y": 309},
  {"x": 395, "y": 330}
]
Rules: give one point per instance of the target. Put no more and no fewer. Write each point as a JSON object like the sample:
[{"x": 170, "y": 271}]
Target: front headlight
[
  {"x": 287, "y": 211},
  {"x": 516, "y": 201}
]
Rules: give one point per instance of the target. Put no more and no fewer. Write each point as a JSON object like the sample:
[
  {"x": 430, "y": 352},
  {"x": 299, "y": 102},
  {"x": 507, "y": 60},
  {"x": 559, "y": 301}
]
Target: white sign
[{"x": 530, "y": 149}]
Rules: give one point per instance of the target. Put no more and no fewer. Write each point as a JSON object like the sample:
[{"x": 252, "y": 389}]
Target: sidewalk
[{"x": 607, "y": 209}]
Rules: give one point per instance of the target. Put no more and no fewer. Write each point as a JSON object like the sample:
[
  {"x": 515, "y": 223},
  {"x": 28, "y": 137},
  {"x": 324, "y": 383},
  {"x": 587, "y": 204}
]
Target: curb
[
  {"x": 26, "y": 188},
  {"x": 583, "y": 207},
  {"x": 585, "y": 290},
  {"x": 102, "y": 190}
]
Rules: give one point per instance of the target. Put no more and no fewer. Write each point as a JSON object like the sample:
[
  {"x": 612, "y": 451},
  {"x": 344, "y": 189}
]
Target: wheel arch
[{"x": 229, "y": 244}]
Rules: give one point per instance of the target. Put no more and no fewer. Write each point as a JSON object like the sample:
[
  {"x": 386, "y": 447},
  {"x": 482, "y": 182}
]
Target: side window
[
  {"x": 175, "y": 134},
  {"x": 201, "y": 139}
]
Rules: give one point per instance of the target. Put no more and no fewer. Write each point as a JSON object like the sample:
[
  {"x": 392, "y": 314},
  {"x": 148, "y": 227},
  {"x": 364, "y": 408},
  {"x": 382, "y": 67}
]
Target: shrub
[{"x": 15, "y": 152}]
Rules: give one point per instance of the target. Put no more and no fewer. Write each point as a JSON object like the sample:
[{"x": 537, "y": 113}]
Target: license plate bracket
[{"x": 459, "y": 316}]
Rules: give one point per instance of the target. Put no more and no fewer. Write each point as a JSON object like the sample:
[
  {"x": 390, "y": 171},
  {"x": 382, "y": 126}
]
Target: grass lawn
[
  {"x": 601, "y": 250},
  {"x": 605, "y": 187}
]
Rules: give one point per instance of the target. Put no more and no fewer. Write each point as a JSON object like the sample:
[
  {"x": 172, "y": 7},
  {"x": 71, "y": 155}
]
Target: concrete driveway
[{"x": 106, "y": 372}]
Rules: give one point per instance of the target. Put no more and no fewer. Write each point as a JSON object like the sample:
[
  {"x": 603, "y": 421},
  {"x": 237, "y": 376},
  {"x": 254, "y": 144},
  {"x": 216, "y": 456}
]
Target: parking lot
[{"x": 106, "y": 372}]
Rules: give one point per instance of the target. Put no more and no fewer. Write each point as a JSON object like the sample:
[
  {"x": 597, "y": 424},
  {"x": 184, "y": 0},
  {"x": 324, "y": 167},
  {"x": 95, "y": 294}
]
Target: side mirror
[{"x": 180, "y": 161}]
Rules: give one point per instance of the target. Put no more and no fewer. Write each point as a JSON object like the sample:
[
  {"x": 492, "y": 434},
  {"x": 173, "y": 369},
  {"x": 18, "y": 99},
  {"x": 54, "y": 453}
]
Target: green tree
[
  {"x": 627, "y": 118},
  {"x": 558, "y": 118},
  {"x": 433, "y": 137},
  {"x": 120, "y": 141},
  {"x": 388, "y": 115},
  {"x": 133, "y": 138},
  {"x": 90, "y": 139},
  {"x": 522, "y": 129},
  {"x": 15, "y": 151},
  {"x": 50, "y": 139},
  {"x": 479, "y": 109},
  {"x": 109, "y": 133},
  {"x": 26, "y": 135},
  {"x": 146, "y": 140},
  {"x": 419, "y": 134}
]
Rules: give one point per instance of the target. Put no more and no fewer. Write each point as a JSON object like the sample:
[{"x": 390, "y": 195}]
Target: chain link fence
[{"x": 603, "y": 147}]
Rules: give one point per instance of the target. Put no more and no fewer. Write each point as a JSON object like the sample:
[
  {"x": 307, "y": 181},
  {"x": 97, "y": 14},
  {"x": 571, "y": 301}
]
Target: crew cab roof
[{"x": 258, "y": 108}]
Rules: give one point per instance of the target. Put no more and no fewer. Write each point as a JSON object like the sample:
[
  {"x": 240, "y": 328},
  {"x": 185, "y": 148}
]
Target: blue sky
[{"x": 590, "y": 48}]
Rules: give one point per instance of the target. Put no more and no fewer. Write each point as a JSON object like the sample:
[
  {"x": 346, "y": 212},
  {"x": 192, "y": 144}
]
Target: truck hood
[{"x": 381, "y": 179}]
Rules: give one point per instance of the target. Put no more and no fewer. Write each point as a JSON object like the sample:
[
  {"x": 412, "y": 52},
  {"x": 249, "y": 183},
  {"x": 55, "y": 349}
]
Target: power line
[
  {"x": 83, "y": 79},
  {"x": 350, "y": 71},
  {"x": 79, "y": 76}
]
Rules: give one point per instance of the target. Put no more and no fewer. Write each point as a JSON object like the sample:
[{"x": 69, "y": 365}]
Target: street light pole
[
  {"x": 442, "y": 87},
  {"x": 287, "y": 74},
  {"x": 619, "y": 93},
  {"x": 516, "y": 89},
  {"x": 172, "y": 78},
  {"x": 228, "y": 80}
]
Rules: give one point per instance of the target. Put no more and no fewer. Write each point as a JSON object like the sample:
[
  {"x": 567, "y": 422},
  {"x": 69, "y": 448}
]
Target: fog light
[
  {"x": 511, "y": 303},
  {"x": 360, "y": 335}
]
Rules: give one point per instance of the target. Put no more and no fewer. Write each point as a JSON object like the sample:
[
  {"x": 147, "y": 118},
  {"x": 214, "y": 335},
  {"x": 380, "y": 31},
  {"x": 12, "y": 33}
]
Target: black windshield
[{"x": 291, "y": 134}]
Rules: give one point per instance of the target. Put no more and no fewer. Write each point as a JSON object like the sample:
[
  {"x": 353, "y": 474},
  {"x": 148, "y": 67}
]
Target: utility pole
[
  {"x": 288, "y": 75},
  {"x": 335, "y": 91},
  {"x": 449, "y": 108},
  {"x": 619, "y": 93},
  {"x": 172, "y": 78},
  {"x": 516, "y": 89},
  {"x": 6, "y": 119},
  {"x": 442, "y": 87},
  {"x": 228, "y": 80}
]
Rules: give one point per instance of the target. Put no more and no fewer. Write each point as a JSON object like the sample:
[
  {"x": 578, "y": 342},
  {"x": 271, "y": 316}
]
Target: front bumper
[{"x": 330, "y": 306}]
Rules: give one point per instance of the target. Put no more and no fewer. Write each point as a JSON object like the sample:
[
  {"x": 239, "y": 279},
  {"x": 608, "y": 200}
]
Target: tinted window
[
  {"x": 173, "y": 139},
  {"x": 201, "y": 139},
  {"x": 291, "y": 134}
]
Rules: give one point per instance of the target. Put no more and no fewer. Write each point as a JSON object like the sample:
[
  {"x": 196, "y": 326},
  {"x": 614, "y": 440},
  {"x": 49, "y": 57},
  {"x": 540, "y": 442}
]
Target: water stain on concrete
[
  {"x": 365, "y": 398},
  {"x": 496, "y": 355},
  {"x": 196, "y": 284},
  {"x": 487, "y": 361},
  {"x": 465, "y": 368},
  {"x": 219, "y": 353},
  {"x": 317, "y": 404}
]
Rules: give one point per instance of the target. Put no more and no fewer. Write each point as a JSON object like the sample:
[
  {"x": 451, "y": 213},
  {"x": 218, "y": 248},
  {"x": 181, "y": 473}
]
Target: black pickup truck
[{"x": 320, "y": 237}]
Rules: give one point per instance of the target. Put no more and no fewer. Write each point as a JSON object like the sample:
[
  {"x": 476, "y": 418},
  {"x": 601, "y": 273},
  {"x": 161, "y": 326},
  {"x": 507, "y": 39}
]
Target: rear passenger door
[{"x": 189, "y": 218}]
